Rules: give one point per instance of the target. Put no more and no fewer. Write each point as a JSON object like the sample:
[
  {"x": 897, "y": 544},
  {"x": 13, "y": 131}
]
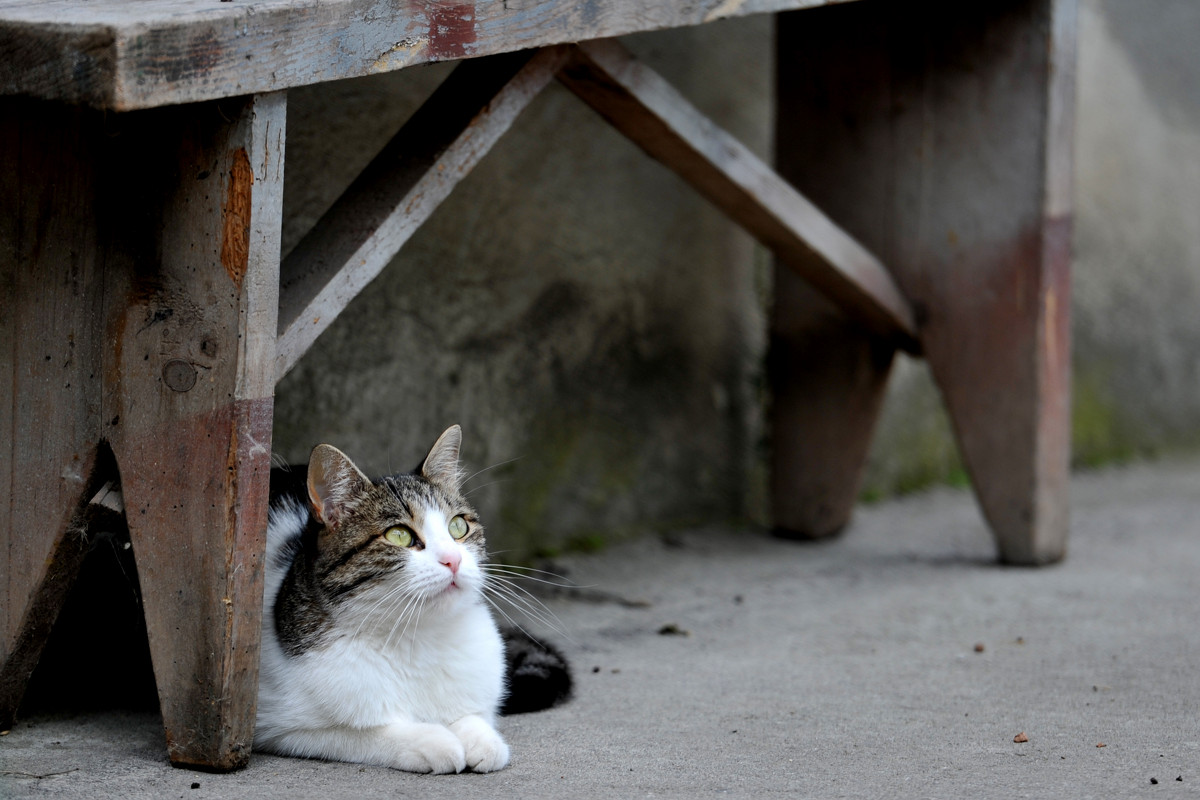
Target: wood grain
[
  {"x": 120, "y": 55},
  {"x": 191, "y": 377},
  {"x": 51, "y": 345}
]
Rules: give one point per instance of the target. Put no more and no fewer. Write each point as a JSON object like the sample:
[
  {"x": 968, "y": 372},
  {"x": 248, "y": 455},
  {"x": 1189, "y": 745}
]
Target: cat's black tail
[{"x": 538, "y": 675}]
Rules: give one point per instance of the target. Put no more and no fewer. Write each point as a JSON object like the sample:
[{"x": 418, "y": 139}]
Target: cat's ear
[
  {"x": 441, "y": 465},
  {"x": 333, "y": 481}
]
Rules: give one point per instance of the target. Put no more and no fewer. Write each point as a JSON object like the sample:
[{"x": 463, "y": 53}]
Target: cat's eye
[
  {"x": 399, "y": 536},
  {"x": 459, "y": 527}
]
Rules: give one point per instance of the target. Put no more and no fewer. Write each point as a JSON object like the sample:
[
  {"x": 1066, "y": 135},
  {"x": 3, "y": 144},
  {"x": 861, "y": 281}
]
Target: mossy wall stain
[{"x": 1096, "y": 436}]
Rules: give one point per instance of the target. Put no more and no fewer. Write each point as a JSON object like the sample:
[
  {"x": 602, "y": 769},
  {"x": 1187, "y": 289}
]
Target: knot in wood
[{"x": 179, "y": 375}]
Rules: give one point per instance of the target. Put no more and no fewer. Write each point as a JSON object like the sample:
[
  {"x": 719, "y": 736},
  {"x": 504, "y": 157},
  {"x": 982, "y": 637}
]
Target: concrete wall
[
  {"x": 1137, "y": 275},
  {"x": 595, "y": 327},
  {"x": 598, "y": 330}
]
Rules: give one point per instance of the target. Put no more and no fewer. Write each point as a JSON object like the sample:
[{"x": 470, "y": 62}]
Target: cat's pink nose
[{"x": 451, "y": 560}]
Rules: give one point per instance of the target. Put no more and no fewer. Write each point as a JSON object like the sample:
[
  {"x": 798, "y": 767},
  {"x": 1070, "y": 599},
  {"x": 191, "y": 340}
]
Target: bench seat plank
[{"x": 121, "y": 55}]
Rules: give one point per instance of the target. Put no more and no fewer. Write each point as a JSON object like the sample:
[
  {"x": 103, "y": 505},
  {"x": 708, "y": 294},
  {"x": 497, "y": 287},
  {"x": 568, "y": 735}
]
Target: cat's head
[{"x": 409, "y": 536}]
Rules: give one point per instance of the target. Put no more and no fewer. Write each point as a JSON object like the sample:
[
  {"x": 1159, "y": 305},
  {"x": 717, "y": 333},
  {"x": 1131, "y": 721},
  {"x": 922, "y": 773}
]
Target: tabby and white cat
[{"x": 378, "y": 645}]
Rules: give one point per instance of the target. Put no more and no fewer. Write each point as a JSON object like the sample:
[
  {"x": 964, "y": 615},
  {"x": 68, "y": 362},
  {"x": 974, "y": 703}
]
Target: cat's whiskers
[
  {"x": 510, "y": 574},
  {"x": 520, "y": 599},
  {"x": 490, "y": 563},
  {"x": 535, "y": 610},
  {"x": 509, "y": 617},
  {"x": 475, "y": 489},
  {"x": 399, "y": 610},
  {"x": 413, "y": 618},
  {"x": 412, "y": 602},
  {"x": 500, "y": 610},
  {"x": 393, "y": 591},
  {"x": 500, "y": 579},
  {"x": 476, "y": 474},
  {"x": 514, "y": 571},
  {"x": 511, "y": 621}
]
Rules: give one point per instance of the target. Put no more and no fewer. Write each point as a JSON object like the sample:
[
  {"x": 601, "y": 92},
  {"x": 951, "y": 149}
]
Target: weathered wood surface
[
  {"x": 394, "y": 195},
  {"x": 121, "y": 55},
  {"x": 828, "y": 377},
  {"x": 195, "y": 371},
  {"x": 146, "y": 247},
  {"x": 647, "y": 110},
  {"x": 51, "y": 341},
  {"x": 940, "y": 137}
]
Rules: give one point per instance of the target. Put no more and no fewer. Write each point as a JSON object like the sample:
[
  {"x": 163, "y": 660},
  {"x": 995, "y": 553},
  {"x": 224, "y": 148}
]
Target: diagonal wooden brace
[
  {"x": 400, "y": 188},
  {"x": 652, "y": 114}
]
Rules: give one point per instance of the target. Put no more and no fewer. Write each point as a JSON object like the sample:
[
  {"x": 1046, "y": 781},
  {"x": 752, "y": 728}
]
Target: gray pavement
[{"x": 896, "y": 661}]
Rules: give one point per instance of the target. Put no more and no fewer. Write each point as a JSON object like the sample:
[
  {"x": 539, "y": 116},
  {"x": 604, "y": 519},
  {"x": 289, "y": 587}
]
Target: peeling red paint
[
  {"x": 451, "y": 29},
  {"x": 1056, "y": 281},
  {"x": 235, "y": 214},
  {"x": 1054, "y": 456}
]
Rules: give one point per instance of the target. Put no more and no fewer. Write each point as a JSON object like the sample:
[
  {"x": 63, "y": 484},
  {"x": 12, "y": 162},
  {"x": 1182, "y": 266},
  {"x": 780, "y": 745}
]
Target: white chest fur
[{"x": 417, "y": 693}]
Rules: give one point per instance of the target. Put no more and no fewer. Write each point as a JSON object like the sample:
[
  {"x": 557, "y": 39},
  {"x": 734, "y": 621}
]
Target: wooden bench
[{"x": 921, "y": 203}]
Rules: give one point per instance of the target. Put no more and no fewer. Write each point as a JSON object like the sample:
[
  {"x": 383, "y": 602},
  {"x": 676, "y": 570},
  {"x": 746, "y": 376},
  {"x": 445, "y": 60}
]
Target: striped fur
[{"x": 375, "y": 652}]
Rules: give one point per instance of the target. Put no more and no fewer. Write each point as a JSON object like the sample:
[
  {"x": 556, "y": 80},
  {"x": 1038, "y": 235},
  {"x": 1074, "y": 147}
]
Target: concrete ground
[{"x": 896, "y": 661}]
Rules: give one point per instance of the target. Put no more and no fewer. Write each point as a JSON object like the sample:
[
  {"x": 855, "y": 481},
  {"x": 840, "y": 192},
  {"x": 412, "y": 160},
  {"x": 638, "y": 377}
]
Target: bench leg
[
  {"x": 192, "y": 381},
  {"x": 939, "y": 136},
  {"x": 171, "y": 252},
  {"x": 827, "y": 382}
]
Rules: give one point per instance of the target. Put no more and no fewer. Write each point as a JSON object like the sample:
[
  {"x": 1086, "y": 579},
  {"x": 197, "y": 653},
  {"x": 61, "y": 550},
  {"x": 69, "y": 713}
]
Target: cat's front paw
[
  {"x": 485, "y": 750},
  {"x": 430, "y": 748}
]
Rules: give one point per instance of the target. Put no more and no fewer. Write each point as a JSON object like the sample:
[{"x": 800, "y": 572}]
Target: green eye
[
  {"x": 399, "y": 536},
  {"x": 459, "y": 527}
]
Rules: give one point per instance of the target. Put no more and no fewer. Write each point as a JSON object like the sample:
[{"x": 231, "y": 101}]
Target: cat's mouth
[{"x": 454, "y": 586}]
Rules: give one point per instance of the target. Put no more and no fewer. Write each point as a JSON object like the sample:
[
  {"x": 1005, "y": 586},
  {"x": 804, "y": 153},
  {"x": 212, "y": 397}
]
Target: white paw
[
  {"x": 485, "y": 750},
  {"x": 430, "y": 748}
]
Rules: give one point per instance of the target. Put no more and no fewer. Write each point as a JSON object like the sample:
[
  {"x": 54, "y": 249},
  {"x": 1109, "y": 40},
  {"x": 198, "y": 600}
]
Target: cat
[{"x": 378, "y": 645}]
